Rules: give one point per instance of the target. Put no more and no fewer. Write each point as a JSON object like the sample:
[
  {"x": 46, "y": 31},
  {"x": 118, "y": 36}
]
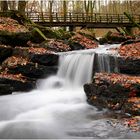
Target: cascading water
[
  {"x": 104, "y": 63},
  {"x": 76, "y": 68},
  {"x": 57, "y": 108}
]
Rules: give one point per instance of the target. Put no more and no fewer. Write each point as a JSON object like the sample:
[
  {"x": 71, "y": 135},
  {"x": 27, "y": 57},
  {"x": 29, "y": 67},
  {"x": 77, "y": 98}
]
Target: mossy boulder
[{"x": 114, "y": 38}]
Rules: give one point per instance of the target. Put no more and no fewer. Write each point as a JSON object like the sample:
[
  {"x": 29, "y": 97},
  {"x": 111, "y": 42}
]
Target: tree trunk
[
  {"x": 86, "y": 7},
  {"x": 64, "y": 9},
  {"x": 4, "y": 6},
  {"x": 22, "y": 6},
  {"x": 12, "y": 5},
  {"x": 50, "y": 10}
]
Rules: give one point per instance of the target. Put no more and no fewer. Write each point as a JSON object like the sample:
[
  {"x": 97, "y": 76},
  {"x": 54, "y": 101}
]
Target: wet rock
[
  {"x": 45, "y": 59},
  {"x": 114, "y": 91},
  {"x": 76, "y": 46},
  {"x": 129, "y": 65},
  {"x": 5, "y": 89},
  {"x": 5, "y": 51},
  {"x": 17, "y": 82}
]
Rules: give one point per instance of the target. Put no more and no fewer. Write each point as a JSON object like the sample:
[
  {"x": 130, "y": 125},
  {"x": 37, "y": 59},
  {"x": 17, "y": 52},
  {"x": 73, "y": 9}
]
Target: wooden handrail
[
  {"x": 79, "y": 17},
  {"x": 82, "y": 17}
]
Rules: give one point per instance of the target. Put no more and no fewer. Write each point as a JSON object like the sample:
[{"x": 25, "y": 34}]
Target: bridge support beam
[{"x": 117, "y": 29}]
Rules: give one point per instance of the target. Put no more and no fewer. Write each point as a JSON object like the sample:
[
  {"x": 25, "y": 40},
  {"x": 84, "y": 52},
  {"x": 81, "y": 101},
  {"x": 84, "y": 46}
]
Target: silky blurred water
[{"x": 58, "y": 107}]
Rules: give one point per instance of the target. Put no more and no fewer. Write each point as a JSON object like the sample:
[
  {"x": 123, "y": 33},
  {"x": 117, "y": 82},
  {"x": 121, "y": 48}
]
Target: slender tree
[
  {"x": 22, "y": 6},
  {"x": 4, "y": 6}
]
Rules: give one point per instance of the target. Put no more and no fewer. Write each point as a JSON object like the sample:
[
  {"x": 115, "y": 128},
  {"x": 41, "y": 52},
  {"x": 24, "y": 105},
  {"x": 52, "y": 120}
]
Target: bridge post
[{"x": 71, "y": 28}]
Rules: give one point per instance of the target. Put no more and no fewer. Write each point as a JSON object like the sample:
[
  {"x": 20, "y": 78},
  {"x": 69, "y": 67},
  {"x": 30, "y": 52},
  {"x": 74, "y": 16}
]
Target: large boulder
[
  {"x": 114, "y": 38},
  {"x": 114, "y": 91}
]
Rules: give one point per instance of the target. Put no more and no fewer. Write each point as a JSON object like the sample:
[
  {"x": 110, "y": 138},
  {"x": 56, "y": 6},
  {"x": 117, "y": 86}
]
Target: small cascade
[
  {"x": 104, "y": 63},
  {"x": 76, "y": 68},
  {"x": 107, "y": 63}
]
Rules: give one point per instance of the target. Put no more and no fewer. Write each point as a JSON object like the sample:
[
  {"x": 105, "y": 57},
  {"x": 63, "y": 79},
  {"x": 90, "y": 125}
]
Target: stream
[{"x": 57, "y": 108}]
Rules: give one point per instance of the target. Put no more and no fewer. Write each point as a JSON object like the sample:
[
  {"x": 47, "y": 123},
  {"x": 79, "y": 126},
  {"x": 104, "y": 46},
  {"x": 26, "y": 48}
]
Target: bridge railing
[
  {"x": 81, "y": 17},
  {"x": 78, "y": 17}
]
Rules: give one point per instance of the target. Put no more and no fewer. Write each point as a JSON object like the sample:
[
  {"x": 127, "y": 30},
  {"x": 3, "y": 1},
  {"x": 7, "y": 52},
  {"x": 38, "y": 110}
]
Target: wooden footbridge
[{"x": 95, "y": 20}]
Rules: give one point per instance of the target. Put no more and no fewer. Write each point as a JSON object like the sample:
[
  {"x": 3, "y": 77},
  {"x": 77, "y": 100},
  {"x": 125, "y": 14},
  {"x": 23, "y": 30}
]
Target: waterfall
[
  {"x": 107, "y": 63},
  {"x": 104, "y": 63},
  {"x": 76, "y": 68},
  {"x": 58, "y": 107}
]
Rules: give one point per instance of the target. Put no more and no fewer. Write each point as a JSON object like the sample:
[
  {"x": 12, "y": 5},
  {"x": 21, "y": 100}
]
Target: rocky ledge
[
  {"x": 20, "y": 65},
  {"x": 37, "y": 55},
  {"x": 14, "y": 82},
  {"x": 115, "y": 91},
  {"x": 129, "y": 60}
]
